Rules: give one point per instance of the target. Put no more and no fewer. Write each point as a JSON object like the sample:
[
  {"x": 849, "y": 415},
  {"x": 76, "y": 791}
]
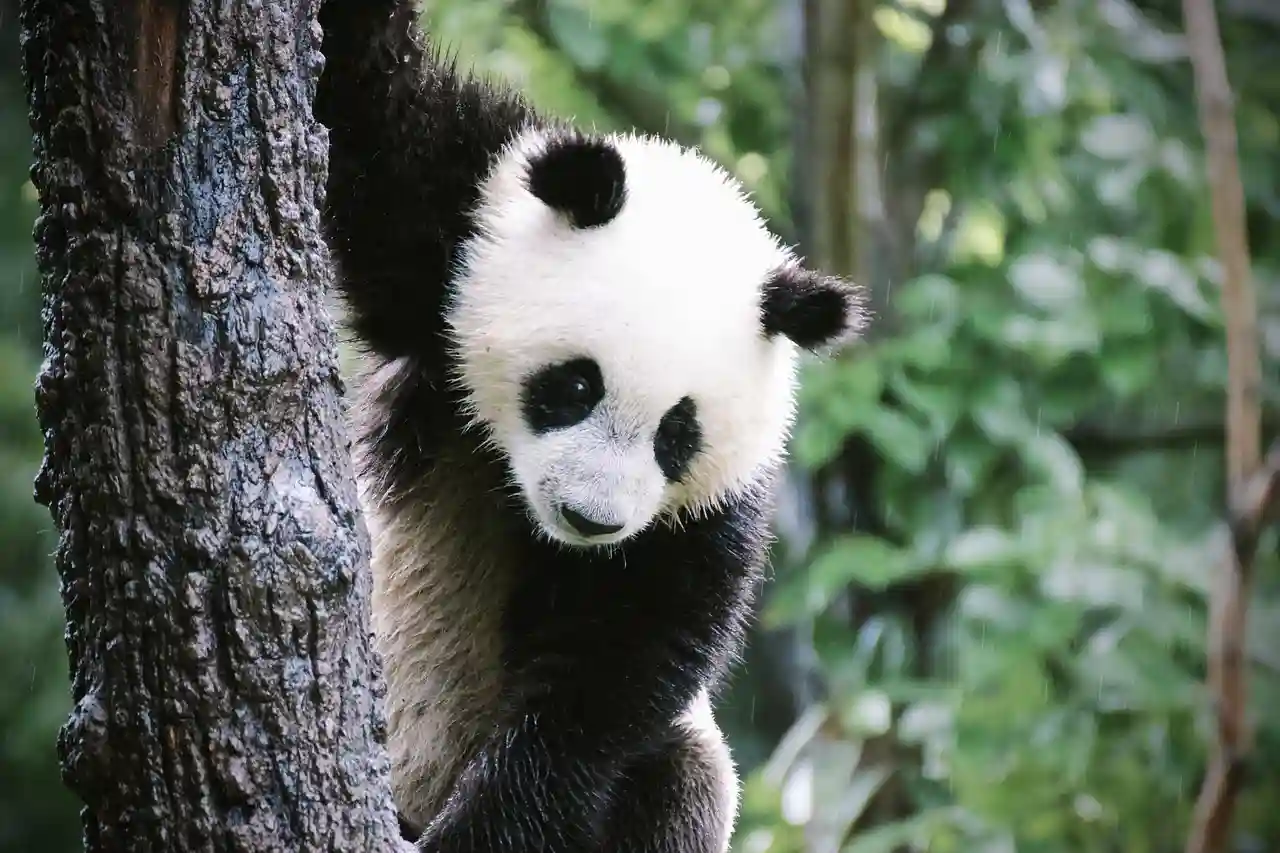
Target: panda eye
[
  {"x": 577, "y": 390},
  {"x": 678, "y": 440},
  {"x": 561, "y": 395}
]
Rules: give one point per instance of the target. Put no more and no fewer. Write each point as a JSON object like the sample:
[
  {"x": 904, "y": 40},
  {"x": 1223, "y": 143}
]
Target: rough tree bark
[{"x": 212, "y": 556}]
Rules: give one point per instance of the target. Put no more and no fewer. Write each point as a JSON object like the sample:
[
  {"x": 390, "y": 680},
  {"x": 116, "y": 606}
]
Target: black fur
[
  {"x": 583, "y": 178},
  {"x": 408, "y": 831},
  {"x": 561, "y": 395},
  {"x": 678, "y": 440},
  {"x": 664, "y": 802},
  {"x": 603, "y": 651},
  {"x": 410, "y": 138},
  {"x": 602, "y": 648},
  {"x": 810, "y": 308}
]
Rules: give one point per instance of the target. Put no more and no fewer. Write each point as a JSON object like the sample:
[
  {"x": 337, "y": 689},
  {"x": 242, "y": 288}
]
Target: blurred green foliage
[
  {"x": 1044, "y": 425},
  {"x": 36, "y": 812}
]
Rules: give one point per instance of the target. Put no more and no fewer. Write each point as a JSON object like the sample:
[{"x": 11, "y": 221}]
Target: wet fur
[
  {"x": 437, "y": 627},
  {"x": 641, "y": 637},
  {"x": 540, "y": 697}
]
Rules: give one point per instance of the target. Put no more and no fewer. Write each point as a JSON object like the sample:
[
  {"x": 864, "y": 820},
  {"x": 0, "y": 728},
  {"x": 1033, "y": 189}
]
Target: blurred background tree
[{"x": 985, "y": 630}]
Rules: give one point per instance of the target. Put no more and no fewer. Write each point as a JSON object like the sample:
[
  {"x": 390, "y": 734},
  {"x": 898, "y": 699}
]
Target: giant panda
[{"x": 581, "y": 356}]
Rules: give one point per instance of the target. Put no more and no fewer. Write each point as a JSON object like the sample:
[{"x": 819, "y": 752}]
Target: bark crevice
[{"x": 212, "y": 556}]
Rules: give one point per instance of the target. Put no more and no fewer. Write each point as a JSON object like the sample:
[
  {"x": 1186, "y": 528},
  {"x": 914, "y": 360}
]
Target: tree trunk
[
  {"x": 851, "y": 125},
  {"x": 212, "y": 556},
  {"x": 839, "y": 57}
]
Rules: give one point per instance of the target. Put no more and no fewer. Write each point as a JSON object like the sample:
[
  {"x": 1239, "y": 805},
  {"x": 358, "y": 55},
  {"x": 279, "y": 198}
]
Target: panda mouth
[
  {"x": 574, "y": 527},
  {"x": 588, "y": 527},
  {"x": 566, "y": 535}
]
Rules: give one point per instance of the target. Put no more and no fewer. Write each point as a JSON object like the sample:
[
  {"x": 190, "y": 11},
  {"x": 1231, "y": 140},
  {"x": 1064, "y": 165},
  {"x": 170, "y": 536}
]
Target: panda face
[
  {"x": 625, "y": 331},
  {"x": 595, "y": 466}
]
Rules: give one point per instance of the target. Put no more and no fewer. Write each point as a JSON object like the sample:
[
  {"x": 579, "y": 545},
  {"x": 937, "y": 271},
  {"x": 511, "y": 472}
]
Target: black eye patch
[
  {"x": 678, "y": 440},
  {"x": 561, "y": 395}
]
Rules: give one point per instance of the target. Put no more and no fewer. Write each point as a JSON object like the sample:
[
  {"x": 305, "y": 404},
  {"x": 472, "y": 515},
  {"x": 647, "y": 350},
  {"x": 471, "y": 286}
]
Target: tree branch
[
  {"x": 1257, "y": 505},
  {"x": 1240, "y": 306},
  {"x": 1095, "y": 441},
  {"x": 1251, "y": 492}
]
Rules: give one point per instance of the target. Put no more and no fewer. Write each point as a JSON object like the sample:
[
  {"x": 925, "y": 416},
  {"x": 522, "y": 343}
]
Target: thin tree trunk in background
[
  {"x": 868, "y": 232},
  {"x": 775, "y": 683},
  {"x": 212, "y": 557},
  {"x": 840, "y": 48},
  {"x": 1252, "y": 494},
  {"x": 1226, "y": 192},
  {"x": 833, "y": 42}
]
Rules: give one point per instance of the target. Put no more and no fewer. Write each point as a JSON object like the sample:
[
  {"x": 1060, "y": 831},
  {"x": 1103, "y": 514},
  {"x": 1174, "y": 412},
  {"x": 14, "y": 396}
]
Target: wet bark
[{"x": 211, "y": 553}]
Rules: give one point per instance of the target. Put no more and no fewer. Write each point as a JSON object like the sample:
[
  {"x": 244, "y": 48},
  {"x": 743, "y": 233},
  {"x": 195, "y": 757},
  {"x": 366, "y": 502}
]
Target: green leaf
[
  {"x": 867, "y": 714},
  {"x": 834, "y": 399},
  {"x": 1050, "y": 341},
  {"x": 1118, "y": 136},
  {"x": 998, "y": 410},
  {"x": 815, "y": 442},
  {"x": 852, "y": 389},
  {"x": 980, "y": 234},
  {"x": 916, "y": 832},
  {"x": 980, "y": 548},
  {"x": 1129, "y": 370},
  {"x": 865, "y": 560},
  {"x": 923, "y": 348},
  {"x": 1046, "y": 282},
  {"x": 577, "y": 36},
  {"x": 869, "y": 561},
  {"x": 1165, "y": 273},
  {"x": 969, "y": 461},
  {"x": 940, "y": 402},
  {"x": 859, "y": 378},
  {"x": 900, "y": 439},
  {"x": 931, "y": 300},
  {"x": 1048, "y": 455}
]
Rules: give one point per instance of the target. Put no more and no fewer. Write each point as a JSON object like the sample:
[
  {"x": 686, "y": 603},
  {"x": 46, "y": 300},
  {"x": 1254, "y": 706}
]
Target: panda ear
[
  {"x": 812, "y": 309},
  {"x": 580, "y": 177}
]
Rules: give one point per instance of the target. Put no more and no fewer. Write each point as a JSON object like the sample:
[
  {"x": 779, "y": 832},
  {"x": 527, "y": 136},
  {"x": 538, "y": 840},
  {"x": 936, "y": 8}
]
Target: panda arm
[
  {"x": 526, "y": 791},
  {"x": 410, "y": 140},
  {"x": 549, "y": 781},
  {"x": 680, "y": 798},
  {"x": 605, "y": 699}
]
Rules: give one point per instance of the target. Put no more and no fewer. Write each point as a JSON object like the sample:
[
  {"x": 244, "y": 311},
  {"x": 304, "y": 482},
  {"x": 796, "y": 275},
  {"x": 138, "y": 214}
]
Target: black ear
[
  {"x": 580, "y": 177},
  {"x": 810, "y": 308}
]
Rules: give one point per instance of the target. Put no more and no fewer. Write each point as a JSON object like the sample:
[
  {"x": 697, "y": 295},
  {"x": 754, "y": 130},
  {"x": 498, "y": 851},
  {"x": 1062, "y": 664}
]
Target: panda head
[{"x": 626, "y": 331}]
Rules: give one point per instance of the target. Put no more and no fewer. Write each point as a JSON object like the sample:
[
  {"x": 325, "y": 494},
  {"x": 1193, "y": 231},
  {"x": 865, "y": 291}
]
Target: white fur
[
  {"x": 437, "y": 631},
  {"x": 436, "y": 578},
  {"x": 699, "y": 719},
  {"x": 665, "y": 297}
]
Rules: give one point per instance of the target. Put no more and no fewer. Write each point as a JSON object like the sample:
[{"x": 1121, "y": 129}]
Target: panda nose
[{"x": 586, "y": 526}]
